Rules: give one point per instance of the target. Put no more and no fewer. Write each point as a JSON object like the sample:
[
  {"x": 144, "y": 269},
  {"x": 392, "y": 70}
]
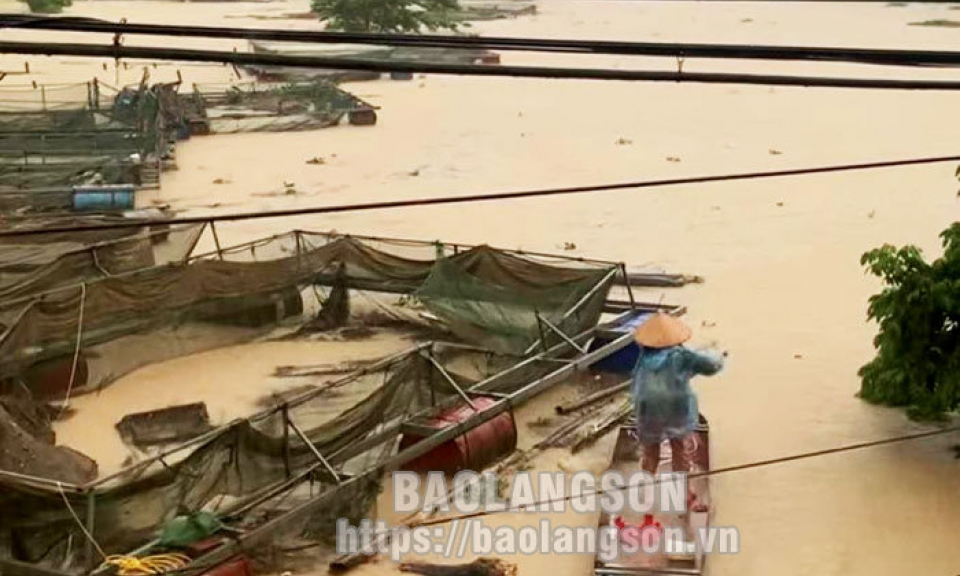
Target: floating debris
[
  {"x": 624, "y": 142},
  {"x": 938, "y": 23},
  {"x": 220, "y": 181},
  {"x": 672, "y": 159},
  {"x": 479, "y": 567},
  {"x": 165, "y": 426},
  {"x": 317, "y": 160},
  {"x": 541, "y": 422},
  {"x": 774, "y": 152}
]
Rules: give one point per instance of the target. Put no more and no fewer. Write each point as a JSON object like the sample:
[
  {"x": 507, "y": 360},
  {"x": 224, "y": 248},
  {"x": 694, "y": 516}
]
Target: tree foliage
[
  {"x": 47, "y": 6},
  {"x": 917, "y": 365},
  {"x": 388, "y": 16}
]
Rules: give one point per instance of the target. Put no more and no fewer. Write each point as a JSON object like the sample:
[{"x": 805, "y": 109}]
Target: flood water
[{"x": 784, "y": 291}]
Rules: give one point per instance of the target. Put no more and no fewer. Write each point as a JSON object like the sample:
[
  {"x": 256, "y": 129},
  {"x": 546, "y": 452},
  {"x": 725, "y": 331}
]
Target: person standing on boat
[{"x": 666, "y": 407}]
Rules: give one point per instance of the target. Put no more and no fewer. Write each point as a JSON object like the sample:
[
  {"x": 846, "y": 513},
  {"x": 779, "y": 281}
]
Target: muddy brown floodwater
[{"x": 784, "y": 291}]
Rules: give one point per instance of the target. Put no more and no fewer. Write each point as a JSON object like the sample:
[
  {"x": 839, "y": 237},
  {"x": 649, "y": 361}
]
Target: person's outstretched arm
[{"x": 706, "y": 363}]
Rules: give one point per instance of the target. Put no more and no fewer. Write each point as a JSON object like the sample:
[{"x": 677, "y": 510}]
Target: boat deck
[{"x": 666, "y": 560}]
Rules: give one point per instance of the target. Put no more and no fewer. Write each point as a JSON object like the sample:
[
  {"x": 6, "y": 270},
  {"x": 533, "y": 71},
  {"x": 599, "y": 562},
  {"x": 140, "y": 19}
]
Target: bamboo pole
[
  {"x": 90, "y": 551},
  {"x": 563, "y": 336},
  {"x": 446, "y": 375},
  {"x": 563, "y": 409},
  {"x": 286, "y": 440},
  {"x": 40, "y": 482},
  {"x": 626, "y": 282},
  {"x": 216, "y": 239},
  {"x": 296, "y": 429}
]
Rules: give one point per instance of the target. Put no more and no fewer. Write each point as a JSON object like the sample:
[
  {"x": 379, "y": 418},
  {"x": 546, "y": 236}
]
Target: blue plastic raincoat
[{"x": 665, "y": 405}]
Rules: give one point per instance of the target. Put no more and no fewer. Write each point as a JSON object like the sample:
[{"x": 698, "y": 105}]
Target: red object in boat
[
  {"x": 633, "y": 532},
  {"x": 236, "y": 566},
  {"x": 648, "y": 522},
  {"x": 472, "y": 450}
]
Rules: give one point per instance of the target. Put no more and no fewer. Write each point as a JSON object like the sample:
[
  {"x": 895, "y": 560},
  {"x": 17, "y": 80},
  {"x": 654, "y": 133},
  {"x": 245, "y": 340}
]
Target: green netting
[
  {"x": 252, "y": 457},
  {"x": 29, "y": 269},
  {"x": 93, "y": 141},
  {"x": 193, "y": 527},
  {"x": 253, "y": 107},
  {"x": 482, "y": 295},
  {"x": 45, "y": 97},
  {"x": 126, "y": 319},
  {"x": 499, "y": 300},
  {"x": 48, "y": 174},
  {"x": 109, "y": 140}
]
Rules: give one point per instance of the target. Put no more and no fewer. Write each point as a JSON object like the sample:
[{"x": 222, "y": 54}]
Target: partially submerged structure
[
  {"x": 497, "y": 327},
  {"x": 358, "y": 52},
  {"x": 106, "y": 136},
  {"x": 71, "y": 154},
  {"x": 87, "y": 300}
]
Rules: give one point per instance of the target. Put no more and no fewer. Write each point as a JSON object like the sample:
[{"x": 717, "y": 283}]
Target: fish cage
[
  {"x": 491, "y": 328},
  {"x": 92, "y": 134},
  {"x": 267, "y": 107}
]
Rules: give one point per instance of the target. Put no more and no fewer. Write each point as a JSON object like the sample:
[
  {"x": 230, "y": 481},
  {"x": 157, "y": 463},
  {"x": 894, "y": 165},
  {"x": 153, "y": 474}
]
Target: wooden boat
[{"x": 667, "y": 559}]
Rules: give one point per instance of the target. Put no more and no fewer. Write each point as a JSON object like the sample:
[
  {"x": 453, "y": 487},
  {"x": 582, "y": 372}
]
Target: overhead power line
[
  {"x": 714, "y": 472},
  {"x": 117, "y": 52},
  {"x": 493, "y": 196},
  {"x": 671, "y": 49}
]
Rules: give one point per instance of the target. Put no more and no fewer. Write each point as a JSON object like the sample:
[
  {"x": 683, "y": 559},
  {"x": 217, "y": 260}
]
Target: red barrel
[
  {"x": 473, "y": 450},
  {"x": 50, "y": 379}
]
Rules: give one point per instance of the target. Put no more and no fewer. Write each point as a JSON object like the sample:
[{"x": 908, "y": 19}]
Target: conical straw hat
[{"x": 662, "y": 331}]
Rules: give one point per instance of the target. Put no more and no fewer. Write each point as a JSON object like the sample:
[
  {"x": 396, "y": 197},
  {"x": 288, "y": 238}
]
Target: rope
[
  {"x": 714, "y": 472},
  {"x": 129, "y": 565},
  {"x": 382, "y": 66},
  {"x": 96, "y": 262},
  {"x": 148, "y": 565},
  {"x": 66, "y": 502},
  {"x": 492, "y": 196},
  {"x": 76, "y": 350}
]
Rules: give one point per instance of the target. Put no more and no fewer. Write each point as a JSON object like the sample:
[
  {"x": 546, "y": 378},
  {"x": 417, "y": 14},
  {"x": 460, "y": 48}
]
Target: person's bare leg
[
  {"x": 651, "y": 458},
  {"x": 680, "y": 456}
]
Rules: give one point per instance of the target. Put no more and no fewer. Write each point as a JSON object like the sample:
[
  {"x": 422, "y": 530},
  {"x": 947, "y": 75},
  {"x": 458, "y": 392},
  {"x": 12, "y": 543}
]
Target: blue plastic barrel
[
  {"x": 624, "y": 360},
  {"x": 103, "y": 198}
]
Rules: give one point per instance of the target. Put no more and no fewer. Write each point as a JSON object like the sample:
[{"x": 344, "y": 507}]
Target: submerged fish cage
[
  {"x": 102, "y": 136},
  {"x": 513, "y": 324},
  {"x": 272, "y": 107},
  {"x": 371, "y": 53}
]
